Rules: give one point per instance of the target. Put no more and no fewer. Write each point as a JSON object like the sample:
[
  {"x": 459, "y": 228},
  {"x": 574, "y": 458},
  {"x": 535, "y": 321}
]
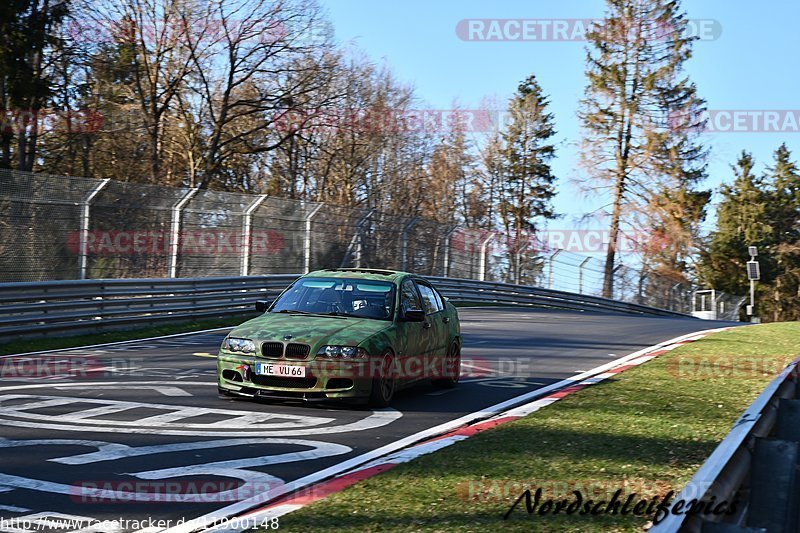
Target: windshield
[{"x": 338, "y": 297}]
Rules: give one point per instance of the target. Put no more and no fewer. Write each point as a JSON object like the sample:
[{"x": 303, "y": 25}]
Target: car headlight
[
  {"x": 232, "y": 344},
  {"x": 343, "y": 352}
]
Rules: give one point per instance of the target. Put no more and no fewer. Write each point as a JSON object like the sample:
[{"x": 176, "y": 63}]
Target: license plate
[{"x": 270, "y": 369}]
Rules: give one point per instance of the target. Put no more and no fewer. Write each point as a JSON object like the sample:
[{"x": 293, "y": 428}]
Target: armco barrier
[
  {"x": 80, "y": 305},
  {"x": 755, "y": 465}
]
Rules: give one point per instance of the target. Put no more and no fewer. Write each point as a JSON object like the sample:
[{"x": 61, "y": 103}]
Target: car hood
[{"x": 313, "y": 330}]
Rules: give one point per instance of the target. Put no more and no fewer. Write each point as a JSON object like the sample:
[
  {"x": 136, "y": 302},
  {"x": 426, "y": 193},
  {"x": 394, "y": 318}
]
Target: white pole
[
  {"x": 246, "y": 233},
  {"x": 580, "y": 274},
  {"x": 404, "y": 244},
  {"x": 307, "y": 242},
  {"x": 83, "y": 246},
  {"x": 174, "y": 232},
  {"x": 446, "y": 265},
  {"x": 518, "y": 258},
  {"x": 484, "y": 245},
  {"x": 552, "y": 260}
]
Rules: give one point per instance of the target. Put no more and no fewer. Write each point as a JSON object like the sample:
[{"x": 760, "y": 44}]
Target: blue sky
[{"x": 752, "y": 65}]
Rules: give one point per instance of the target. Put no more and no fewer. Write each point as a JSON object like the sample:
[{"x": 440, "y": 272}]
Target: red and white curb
[{"x": 507, "y": 411}]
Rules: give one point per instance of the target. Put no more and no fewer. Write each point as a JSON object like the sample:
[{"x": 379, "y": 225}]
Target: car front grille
[
  {"x": 288, "y": 383},
  {"x": 297, "y": 351},
  {"x": 272, "y": 350}
]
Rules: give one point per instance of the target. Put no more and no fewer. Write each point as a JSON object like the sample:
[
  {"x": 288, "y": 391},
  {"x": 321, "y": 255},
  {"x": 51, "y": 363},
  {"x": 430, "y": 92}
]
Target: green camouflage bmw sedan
[{"x": 344, "y": 334}]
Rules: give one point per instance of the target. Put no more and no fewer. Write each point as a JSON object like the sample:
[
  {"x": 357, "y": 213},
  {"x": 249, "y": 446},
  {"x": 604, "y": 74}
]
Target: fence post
[
  {"x": 550, "y": 274},
  {"x": 246, "y": 233},
  {"x": 616, "y": 285},
  {"x": 174, "y": 235},
  {"x": 404, "y": 242},
  {"x": 580, "y": 274},
  {"x": 446, "y": 264},
  {"x": 640, "y": 287},
  {"x": 518, "y": 258},
  {"x": 672, "y": 296},
  {"x": 355, "y": 242},
  {"x": 307, "y": 239},
  {"x": 484, "y": 245},
  {"x": 83, "y": 246}
]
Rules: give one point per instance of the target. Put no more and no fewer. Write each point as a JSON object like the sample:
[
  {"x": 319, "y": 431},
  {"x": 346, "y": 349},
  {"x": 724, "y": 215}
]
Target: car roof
[{"x": 359, "y": 273}]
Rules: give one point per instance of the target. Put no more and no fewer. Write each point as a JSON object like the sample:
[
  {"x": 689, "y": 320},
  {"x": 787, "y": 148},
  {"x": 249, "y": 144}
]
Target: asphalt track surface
[{"x": 143, "y": 420}]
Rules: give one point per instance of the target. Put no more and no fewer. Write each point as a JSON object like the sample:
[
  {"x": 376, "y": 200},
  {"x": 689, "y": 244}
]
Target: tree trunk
[{"x": 613, "y": 235}]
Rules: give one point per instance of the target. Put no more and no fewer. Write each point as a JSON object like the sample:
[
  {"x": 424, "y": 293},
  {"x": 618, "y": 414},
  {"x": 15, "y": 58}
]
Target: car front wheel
[{"x": 385, "y": 383}]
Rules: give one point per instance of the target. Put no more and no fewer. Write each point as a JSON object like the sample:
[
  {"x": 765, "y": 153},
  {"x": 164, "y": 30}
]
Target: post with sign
[{"x": 753, "y": 274}]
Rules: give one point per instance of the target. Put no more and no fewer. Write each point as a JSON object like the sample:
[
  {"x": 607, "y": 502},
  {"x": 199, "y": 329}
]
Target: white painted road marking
[
  {"x": 254, "y": 481},
  {"x": 174, "y": 420},
  {"x": 13, "y": 508},
  {"x": 166, "y": 391},
  {"x": 172, "y": 413}
]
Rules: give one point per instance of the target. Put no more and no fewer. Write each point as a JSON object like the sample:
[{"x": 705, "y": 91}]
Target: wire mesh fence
[{"x": 58, "y": 228}]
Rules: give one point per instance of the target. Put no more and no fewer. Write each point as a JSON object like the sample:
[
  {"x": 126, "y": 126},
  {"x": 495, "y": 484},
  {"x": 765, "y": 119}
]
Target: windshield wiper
[{"x": 298, "y": 312}]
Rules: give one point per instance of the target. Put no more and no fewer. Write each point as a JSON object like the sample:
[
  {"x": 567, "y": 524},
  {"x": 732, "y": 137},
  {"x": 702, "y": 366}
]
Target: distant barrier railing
[{"x": 79, "y": 305}]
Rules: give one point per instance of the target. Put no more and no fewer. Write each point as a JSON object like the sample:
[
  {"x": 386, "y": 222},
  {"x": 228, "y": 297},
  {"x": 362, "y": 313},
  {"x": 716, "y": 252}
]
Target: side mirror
[
  {"x": 262, "y": 306},
  {"x": 414, "y": 315}
]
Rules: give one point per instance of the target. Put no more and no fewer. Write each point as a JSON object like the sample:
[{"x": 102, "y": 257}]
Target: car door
[
  {"x": 436, "y": 339},
  {"x": 412, "y": 336}
]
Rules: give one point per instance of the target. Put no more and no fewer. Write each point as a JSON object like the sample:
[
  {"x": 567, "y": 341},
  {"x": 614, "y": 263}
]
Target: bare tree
[
  {"x": 251, "y": 64},
  {"x": 634, "y": 63}
]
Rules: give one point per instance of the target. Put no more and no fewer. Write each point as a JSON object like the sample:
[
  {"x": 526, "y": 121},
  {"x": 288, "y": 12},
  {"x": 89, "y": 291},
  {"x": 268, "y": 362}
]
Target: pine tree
[
  {"x": 743, "y": 219},
  {"x": 29, "y": 30},
  {"x": 784, "y": 182},
  {"x": 784, "y": 207},
  {"x": 678, "y": 203},
  {"x": 635, "y": 60},
  {"x": 528, "y": 183}
]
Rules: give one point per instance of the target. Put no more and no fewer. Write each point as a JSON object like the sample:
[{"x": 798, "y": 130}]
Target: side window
[
  {"x": 429, "y": 299},
  {"x": 439, "y": 299},
  {"x": 408, "y": 296}
]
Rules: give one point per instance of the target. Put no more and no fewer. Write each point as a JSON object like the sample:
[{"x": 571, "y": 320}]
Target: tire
[
  {"x": 452, "y": 367},
  {"x": 385, "y": 385}
]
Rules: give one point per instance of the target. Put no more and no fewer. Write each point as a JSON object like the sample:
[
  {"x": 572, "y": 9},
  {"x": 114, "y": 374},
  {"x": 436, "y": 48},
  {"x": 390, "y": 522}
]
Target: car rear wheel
[
  {"x": 451, "y": 368},
  {"x": 384, "y": 384}
]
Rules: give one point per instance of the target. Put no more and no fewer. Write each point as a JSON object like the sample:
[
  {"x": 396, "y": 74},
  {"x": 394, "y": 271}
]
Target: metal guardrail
[
  {"x": 78, "y": 305},
  {"x": 466, "y": 290},
  {"x": 756, "y": 464},
  {"x": 97, "y": 304}
]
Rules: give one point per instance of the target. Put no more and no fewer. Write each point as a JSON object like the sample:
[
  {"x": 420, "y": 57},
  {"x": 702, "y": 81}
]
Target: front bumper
[{"x": 324, "y": 379}]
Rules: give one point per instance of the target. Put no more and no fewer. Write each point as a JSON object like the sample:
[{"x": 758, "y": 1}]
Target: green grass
[
  {"x": 56, "y": 342},
  {"x": 651, "y": 427}
]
